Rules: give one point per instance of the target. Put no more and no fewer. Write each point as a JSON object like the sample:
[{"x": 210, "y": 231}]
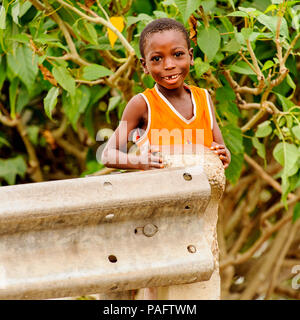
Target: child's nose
[{"x": 169, "y": 64}]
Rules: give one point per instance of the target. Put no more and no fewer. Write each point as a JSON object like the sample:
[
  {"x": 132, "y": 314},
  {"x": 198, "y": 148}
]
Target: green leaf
[
  {"x": 263, "y": 129},
  {"x": 97, "y": 93},
  {"x": 287, "y": 155},
  {"x": 187, "y": 7},
  {"x": 246, "y": 32},
  {"x": 285, "y": 102},
  {"x": 234, "y": 169},
  {"x": 208, "y": 40},
  {"x": 24, "y": 7},
  {"x": 230, "y": 110},
  {"x": 21, "y": 37},
  {"x": 95, "y": 71},
  {"x": 200, "y": 67},
  {"x": 232, "y": 46},
  {"x": 296, "y": 212},
  {"x": 268, "y": 64},
  {"x": 4, "y": 141},
  {"x": 88, "y": 32},
  {"x": 15, "y": 10},
  {"x": 225, "y": 94},
  {"x": 12, "y": 167},
  {"x": 241, "y": 67},
  {"x": 113, "y": 101},
  {"x": 71, "y": 106},
  {"x": 85, "y": 98},
  {"x": 33, "y": 133},
  {"x": 271, "y": 24},
  {"x": 296, "y": 132},
  {"x": 238, "y": 14},
  {"x": 291, "y": 83},
  {"x": 64, "y": 78},
  {"x": 2, "y": 71},
  {"x": 50, "y": 101},
  {"x": 260, "y": 147},
  {"x": 22, "y": 99},
  {"x": 24, "y": 65},
  {"x": 233, "y": 138},
  {"x": 141, "y": 17},
  {"x": 13, "y": 88},
  {"x": 252, "y": 12},
  {"x": 2, "y": 18}
]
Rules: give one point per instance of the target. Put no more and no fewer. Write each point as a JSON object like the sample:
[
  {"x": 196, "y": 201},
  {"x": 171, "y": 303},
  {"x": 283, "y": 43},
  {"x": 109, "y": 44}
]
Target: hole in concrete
[
  {"x": 187, "y": 176},
  {"x": 114, "y": 287},
  {"x": 112, "y": 258},
  {"x": 107, "y": 186},
  {"x": 135, "y": 230},
  {"x": 187, "y": 207},
  {"x": 191, "y": 248},
  {"x": 109, "y": 216}
]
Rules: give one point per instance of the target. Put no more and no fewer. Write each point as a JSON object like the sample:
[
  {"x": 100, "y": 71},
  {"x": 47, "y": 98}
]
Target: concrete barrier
[{"x": 111, "y": 233}]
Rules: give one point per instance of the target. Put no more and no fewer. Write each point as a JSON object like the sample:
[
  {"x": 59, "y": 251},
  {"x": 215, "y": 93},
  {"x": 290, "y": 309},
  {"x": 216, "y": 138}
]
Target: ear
[
  {"x": 143, "y": 62},
  {"x": 191, "y": 53}
]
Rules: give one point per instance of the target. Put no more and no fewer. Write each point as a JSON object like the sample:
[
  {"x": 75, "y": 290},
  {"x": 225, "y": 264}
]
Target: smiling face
[{"x": 167, "y": 58}]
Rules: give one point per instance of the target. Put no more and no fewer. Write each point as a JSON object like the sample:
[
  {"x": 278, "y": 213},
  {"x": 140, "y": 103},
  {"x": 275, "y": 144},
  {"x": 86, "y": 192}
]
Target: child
[{"x": 171, "y": 104}]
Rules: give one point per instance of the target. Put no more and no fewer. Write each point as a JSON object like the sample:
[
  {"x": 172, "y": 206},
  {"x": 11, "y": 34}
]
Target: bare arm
[
  {"x": 115, "y": 153},
  {"x": 218, "y": 144}
]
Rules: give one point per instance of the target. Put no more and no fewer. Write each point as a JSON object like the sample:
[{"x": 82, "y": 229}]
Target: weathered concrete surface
[
  {"x": 210, "y": 289},
  {"x": 105, "y": 234}
]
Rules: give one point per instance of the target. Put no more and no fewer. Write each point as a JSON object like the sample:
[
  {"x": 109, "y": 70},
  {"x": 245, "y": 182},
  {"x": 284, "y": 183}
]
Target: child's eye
[
  {"x": 156, "y": 58},
  {"x": 178, "y": 54}
]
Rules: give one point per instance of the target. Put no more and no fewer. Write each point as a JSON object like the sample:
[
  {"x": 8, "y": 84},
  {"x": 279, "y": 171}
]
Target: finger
[
  {"x": 156, "y": 165},
  {"x": 220, "y": 150},
  {"x": 217, "y": 147},
  {"x": 155, "y": 159},
  {"x": 154, "y": 149}
]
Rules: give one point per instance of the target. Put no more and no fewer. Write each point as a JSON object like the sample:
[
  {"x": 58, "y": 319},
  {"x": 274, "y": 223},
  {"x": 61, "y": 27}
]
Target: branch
[
  {"x": 34, "y": 163},
  {"x": 253, "y": 120},
  {"x": 260, "y": 75},
  {"x": 291, "y": 293},
  {"x": 244, "y": 89},
  {"x": 265, "y": 176},
  {"x": 280, "y": 259},
  {"x": 54, "y": 16},
  {"x": 266, "y": 233},
  {"x": 99, "y": 20},
  {"x": 91, "y": 83},
  {"x": 292, "y": 45},
  {"x": 7, "y": 121},
  {"x": 278, "y": 206}
]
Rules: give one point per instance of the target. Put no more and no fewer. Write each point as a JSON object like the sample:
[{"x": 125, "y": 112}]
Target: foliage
[{"x": 67, "y": 69}]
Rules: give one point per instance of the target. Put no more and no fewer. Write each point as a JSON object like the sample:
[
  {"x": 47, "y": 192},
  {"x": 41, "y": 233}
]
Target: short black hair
[{"x": 160, "y": 25}]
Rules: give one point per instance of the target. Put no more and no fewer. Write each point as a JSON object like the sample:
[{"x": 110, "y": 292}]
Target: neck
[{"x": 171, "y": 92}]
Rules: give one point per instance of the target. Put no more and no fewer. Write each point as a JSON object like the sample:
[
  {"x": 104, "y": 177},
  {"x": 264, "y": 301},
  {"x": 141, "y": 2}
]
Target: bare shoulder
[{"x": 135, "y": 109}]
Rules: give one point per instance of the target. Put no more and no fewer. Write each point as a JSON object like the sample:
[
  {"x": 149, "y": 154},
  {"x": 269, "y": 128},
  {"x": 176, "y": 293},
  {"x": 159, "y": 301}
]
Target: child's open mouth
[{"x": 171, "y": 78}]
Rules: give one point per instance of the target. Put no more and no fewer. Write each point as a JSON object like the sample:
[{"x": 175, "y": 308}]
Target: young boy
[{"x": 171, "y": 104}]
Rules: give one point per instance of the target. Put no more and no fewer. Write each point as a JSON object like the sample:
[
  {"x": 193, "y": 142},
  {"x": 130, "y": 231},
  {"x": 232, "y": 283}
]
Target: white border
[
  {"x": 174, "y": 110},
  {"x": 209, "y": 109},
  {"x": 149, "y": 119}
]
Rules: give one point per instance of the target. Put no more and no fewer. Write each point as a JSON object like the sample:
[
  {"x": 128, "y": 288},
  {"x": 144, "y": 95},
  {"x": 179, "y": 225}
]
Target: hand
[
  {"x": 222, "y": 152},
  {"x": 151, "y": 160}
]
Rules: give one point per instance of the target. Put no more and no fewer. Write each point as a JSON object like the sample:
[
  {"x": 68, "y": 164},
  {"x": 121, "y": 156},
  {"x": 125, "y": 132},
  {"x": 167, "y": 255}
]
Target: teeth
[{"x": 172, "y": 77}]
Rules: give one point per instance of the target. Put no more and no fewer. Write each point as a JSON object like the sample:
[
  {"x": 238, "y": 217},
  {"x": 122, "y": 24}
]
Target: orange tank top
[{"x": 166, "y": 126}]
